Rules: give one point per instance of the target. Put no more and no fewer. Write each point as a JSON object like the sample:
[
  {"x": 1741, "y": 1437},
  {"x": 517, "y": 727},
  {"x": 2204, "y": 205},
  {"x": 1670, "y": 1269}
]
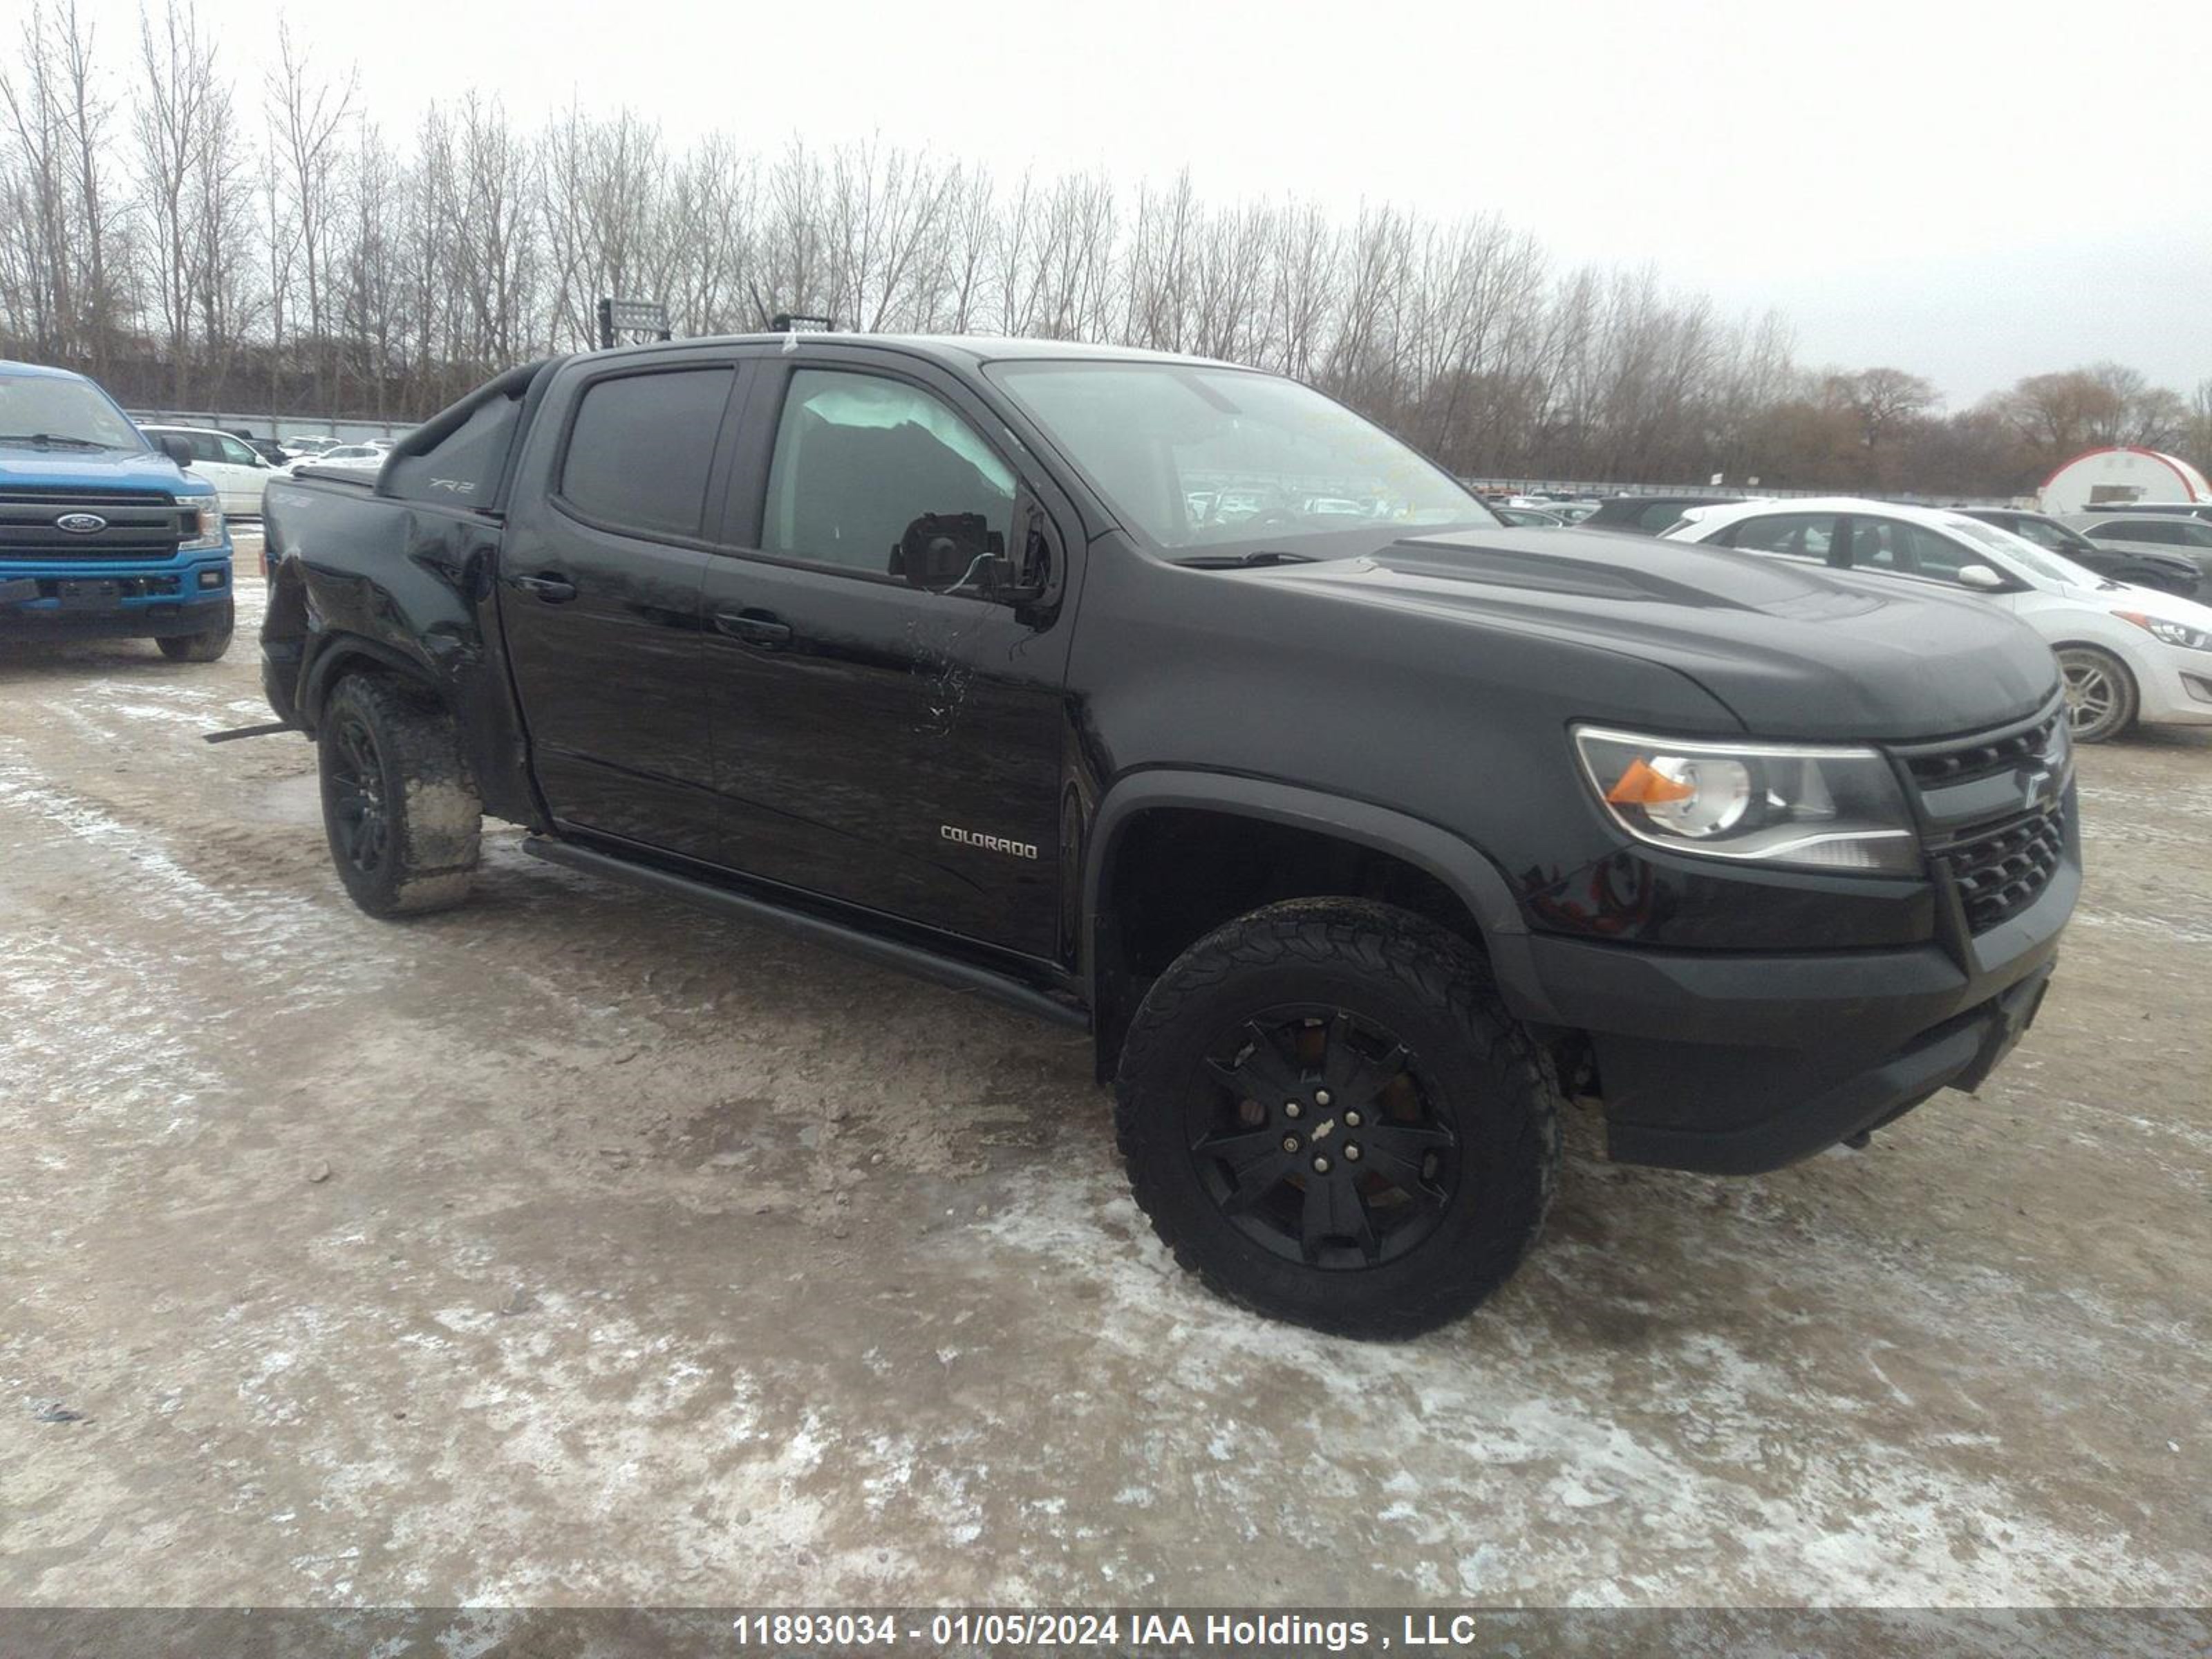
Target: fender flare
[
  {"x": 331, "y": 651},
  {"x": 1462, "y": 867}
]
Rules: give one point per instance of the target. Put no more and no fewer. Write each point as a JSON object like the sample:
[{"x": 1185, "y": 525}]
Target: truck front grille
[
  {"x": 1993, "y": 808},
  {"x": 1980, "y": 759},
  {"x": 2000, "y": 872},
  {"x": 137, "y": 527}
]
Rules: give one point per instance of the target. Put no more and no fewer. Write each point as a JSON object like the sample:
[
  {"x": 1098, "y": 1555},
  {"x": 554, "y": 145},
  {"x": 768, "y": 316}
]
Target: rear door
[
  {"x": 884, "y": 745},
  {"x": 600, "y": 578},
  {"x": 1811, "y": 537}
]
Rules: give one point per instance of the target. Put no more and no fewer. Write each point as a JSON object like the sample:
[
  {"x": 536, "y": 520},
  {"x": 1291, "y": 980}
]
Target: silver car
[{"x": 2131, "y": 531}]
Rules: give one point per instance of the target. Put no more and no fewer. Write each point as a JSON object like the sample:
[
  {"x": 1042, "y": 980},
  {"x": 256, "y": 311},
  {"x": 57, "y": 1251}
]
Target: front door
[
  {"x": 882, "y": 744},
  {"x": 600, "y": 578},
  {"x": 232, "y": 467}
]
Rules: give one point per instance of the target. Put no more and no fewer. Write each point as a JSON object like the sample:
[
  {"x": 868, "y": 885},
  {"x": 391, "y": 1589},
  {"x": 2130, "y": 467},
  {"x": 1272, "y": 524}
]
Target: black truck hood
[{"x": 1793, "y": 651}]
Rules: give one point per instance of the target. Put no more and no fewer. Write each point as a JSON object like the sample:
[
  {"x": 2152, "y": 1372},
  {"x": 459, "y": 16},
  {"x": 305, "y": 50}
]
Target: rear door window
[
  {"x": 641, "y": 449},
  {"x": 1810, "y": 535},
  {"x": 2165, "y": 531}
]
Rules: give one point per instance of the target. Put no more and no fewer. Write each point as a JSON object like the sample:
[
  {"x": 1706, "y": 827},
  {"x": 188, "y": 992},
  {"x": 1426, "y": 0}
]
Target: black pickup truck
[{"x": 1172, "y": 700}]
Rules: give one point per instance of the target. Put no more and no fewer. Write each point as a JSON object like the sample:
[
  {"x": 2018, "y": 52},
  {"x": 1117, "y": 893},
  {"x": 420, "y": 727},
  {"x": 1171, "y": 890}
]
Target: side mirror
[
  {"x": 1982, "y": 577},
  {"x": 178, "y": 449},
  {"x": 947, "y": 552}
]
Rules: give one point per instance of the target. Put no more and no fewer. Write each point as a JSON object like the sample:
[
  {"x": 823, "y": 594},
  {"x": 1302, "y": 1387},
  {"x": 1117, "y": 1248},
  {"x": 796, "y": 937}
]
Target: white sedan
[{"x": 2128, "y": 654}]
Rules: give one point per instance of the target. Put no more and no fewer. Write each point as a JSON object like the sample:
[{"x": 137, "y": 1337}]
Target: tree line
[{"x": 195, "y": 243}]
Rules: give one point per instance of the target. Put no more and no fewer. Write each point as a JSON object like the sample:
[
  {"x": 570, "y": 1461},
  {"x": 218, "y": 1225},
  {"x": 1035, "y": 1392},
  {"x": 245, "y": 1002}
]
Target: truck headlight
[
  {"x": 2173, "y": 632},
  {"x": 207, "y": 534},
  {"x": 1811, "y": 807}
]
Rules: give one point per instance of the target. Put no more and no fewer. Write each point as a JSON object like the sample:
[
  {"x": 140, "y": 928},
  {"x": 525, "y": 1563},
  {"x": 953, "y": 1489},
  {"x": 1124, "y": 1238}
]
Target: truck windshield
[
  {"x": 43, "y": 408},
  {"x": 1196, "y": 457}
]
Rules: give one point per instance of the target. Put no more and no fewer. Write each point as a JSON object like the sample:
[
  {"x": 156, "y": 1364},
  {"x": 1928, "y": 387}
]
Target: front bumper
[
  {"x": 2174, "y": 688},
  {"x": 1731, "y": 1063},
  {"x": 150, "y": 601}
]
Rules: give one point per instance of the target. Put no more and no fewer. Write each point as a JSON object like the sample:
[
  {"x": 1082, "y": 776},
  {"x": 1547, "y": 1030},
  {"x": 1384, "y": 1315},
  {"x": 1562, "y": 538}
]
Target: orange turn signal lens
[{"x": 1642, "y": 785}]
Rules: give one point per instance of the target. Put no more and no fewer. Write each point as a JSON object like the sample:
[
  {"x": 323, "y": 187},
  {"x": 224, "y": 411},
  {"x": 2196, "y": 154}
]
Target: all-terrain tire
[
  {"x": 402, "y": 813},
  {"x": 206, "y": 646},
  {"x": 1379, "y": 976}
]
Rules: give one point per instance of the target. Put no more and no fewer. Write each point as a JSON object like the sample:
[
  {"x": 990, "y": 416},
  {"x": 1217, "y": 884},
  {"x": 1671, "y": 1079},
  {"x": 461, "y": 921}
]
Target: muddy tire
[
  {"x": 1329, "y": 1118},
  {"x": 402, "y": 813},
  {"x": 2101, "y": 699},
  {"x": 206, "y": 646}
]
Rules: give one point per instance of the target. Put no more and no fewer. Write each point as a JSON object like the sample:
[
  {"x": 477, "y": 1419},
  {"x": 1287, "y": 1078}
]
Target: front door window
[{"x": 861, "y": 460}]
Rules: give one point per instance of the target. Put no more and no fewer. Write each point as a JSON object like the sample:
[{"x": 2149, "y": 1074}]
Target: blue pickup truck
[{"x": 102, "y": 534}]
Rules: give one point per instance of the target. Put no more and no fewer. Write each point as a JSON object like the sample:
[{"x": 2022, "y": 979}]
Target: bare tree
[
  {"x": 180, "y": 125},
  {"x": 307, "y": 118},
  {"x": 883, "y": 211},
  {"x": 144, "y": 235},
  {"x": 2197, "y": 428},
  {"x": 69, "y": 221}
]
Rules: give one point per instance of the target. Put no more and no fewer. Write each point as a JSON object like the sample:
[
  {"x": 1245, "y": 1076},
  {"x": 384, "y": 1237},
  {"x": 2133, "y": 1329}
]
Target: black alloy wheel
[
  {"x": 1329, "y": 1115},
  {"x": 355, "y": 789},
  {"x": 1318, "y": 1141}
]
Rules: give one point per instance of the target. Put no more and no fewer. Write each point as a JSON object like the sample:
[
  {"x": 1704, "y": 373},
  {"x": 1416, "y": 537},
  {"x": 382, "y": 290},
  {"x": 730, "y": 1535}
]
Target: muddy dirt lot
[{"x": 578, "y": 1248}]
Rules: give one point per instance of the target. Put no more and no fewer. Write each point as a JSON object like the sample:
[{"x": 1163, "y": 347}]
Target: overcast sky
[{"x": 1973, "y": 190}]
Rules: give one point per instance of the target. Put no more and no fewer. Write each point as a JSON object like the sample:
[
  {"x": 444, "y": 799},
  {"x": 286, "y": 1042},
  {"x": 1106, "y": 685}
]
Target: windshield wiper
[
  {"x": 54, "y": 440},
  {"x": 1242, "y": 560}
]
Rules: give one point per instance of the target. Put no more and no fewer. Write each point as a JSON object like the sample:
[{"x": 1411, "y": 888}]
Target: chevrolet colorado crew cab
[
  {"x": 102, "y": 534},
  {"x": 1356, "y": 827}
]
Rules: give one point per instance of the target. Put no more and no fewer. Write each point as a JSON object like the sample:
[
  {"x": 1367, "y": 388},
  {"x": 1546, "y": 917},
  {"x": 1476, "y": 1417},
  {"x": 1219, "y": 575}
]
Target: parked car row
[
  {"x": 2165, "y": 545},
  {"x": 239, "y": 467},
  {"x": 2157, "y": 540},
  {"x": 364, "y": 457},
  {"x": 1542, "y": 512},
  {"x": 1529, "y": 518}
]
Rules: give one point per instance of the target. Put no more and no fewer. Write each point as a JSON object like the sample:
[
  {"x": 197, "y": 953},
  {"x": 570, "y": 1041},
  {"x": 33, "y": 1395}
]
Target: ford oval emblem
[{"x": 81, "y": 524}]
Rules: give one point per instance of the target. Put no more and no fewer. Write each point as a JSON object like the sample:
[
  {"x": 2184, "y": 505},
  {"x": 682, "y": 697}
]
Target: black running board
[{"x": 923, "y": 965}]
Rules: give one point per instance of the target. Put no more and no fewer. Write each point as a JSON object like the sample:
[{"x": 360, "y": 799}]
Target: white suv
[{"x": 240, "y": 476}]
